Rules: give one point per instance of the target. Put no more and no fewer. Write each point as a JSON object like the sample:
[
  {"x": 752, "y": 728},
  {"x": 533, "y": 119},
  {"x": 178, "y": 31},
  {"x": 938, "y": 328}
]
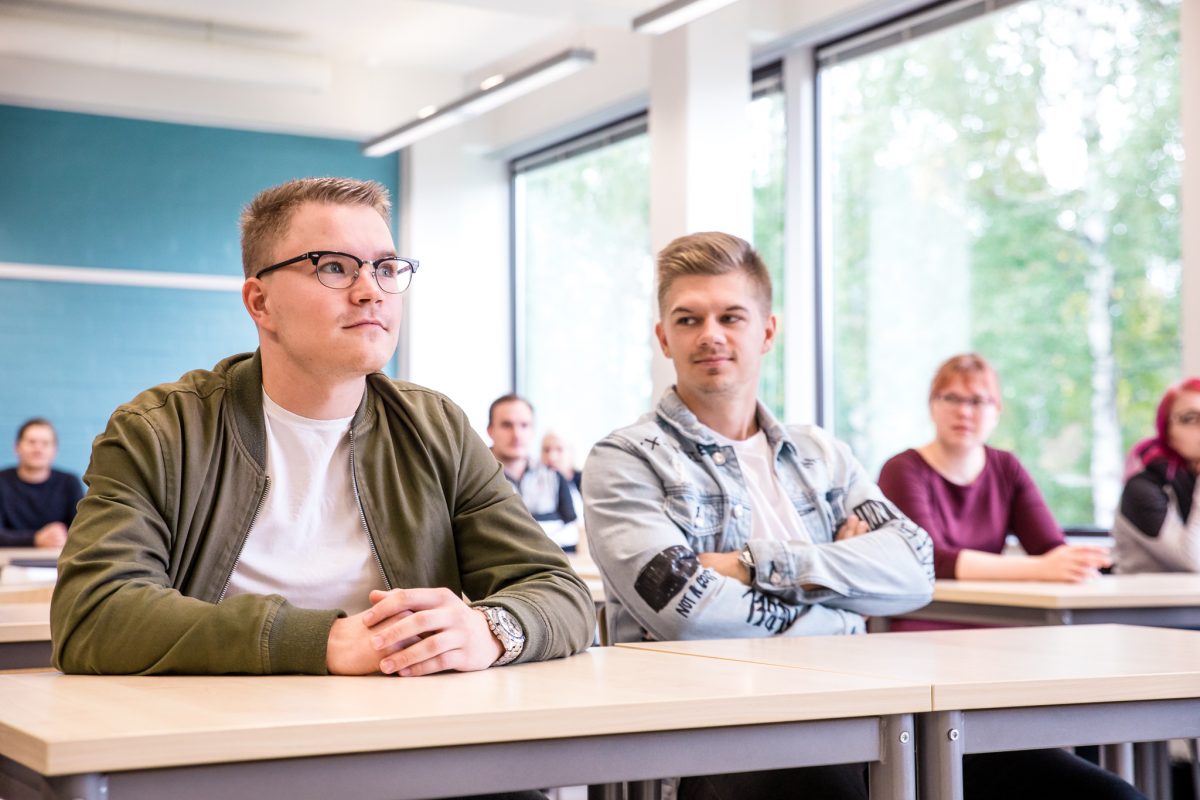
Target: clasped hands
[{"x": 411, "y": 632}]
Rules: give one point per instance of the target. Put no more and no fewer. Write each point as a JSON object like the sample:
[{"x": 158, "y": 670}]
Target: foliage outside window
[
  {"x": 583, "y": 251},
  {"x": 1011, "y": 186},
  {"x": 586, "y": 278}
]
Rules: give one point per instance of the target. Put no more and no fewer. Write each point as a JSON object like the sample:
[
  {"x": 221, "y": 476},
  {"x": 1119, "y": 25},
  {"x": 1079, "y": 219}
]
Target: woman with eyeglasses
[
  {"x": 969, "y": 496},
  {"x": 1157, "y": 528}
]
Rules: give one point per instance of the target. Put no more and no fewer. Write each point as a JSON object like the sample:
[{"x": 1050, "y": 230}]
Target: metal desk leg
[
  {"x": 940, "y": 752},
  {"x": 643, "y": 790},
  {"x": 1147, "y": 769},
  {"x": 606, "y": 791},
  {"x": 1162, "y": 760},
  {"x": 91, "y": 786},
  {"x": 894, "y": 777},
  {"x": 1118, "y": 759}
]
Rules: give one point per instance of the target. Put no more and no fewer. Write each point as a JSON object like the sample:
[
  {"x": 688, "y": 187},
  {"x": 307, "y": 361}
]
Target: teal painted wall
[{"x": 88, "y": 191}]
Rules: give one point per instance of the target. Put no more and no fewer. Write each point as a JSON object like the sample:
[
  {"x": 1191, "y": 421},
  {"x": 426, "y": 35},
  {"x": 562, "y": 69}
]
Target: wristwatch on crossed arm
[
  {"x": 746, "y": 557},
  {"x": 505, "y": 628}
]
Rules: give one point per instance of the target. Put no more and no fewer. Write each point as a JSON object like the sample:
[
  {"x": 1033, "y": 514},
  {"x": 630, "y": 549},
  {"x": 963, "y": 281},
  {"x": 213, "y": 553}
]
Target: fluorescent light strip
[
  {"x": 149, "y": 279},
  {"x": 672, "y": 15},
  {"x": 527, "y": 80}
]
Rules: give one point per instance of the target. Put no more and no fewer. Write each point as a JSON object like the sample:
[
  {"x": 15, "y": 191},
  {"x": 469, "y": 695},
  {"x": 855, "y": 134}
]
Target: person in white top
[{"x": 296, "y": 510}]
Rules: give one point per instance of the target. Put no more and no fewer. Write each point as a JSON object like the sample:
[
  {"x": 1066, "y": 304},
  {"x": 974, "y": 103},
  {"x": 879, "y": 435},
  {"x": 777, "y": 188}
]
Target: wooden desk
[
  {"x": 1009, "y": 688},
  {"x": 24, "y": 635},
  {"x": 26, "y": 593},
  {"x": 606, "y": 715},
  {"x": 1169, "y": 600}
]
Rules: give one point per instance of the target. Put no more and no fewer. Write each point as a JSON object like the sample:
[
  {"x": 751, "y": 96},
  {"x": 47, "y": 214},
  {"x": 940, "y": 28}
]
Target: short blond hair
[
  {"x": 711, "y": 253},
  {"x": 266, "y": 217}
]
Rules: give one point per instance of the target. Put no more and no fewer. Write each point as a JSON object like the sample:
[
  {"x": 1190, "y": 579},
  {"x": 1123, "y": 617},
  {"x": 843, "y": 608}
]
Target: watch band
[{"x": 507, "y": 630}]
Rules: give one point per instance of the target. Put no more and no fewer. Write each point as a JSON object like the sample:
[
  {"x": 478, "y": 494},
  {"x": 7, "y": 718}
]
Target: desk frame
[
  {"x": 945, "y": 736},
  {"x": 1021, "y": 616},
  {"x": 887, "y": 743},
  {"x": 24, "y": 655}
]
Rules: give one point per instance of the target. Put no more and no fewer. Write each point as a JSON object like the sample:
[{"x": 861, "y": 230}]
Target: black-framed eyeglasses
[{"x": 393, "y": 274}]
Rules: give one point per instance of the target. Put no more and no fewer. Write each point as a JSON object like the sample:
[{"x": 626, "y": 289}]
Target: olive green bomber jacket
[{"x": 174, "y": 485}]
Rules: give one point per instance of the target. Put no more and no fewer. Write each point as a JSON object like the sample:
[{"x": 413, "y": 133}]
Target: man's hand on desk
[
  {"x": 1072, "y": 563},
  {"x": 53, "y": 534},
  {"x": 412, "y": 632}
]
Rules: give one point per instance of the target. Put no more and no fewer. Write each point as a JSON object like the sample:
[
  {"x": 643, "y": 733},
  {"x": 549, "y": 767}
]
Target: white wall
[{"x": 458, "y": 329}]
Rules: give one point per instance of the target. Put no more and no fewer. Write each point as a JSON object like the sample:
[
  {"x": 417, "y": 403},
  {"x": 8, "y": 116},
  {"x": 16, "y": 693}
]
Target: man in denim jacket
[{"x": 708, "y": 518}]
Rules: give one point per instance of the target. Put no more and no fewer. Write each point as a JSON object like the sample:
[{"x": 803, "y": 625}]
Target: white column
[
  {"x": 699, "y": 159},
  {"x": 1189, "y": 89},
  {"x": 457, "y": 334},
  {"x": 804, "y": 329}
]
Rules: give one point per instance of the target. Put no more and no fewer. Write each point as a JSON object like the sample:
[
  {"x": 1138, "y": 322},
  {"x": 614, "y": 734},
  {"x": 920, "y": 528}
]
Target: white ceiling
[{"x": 351, "y": 68}]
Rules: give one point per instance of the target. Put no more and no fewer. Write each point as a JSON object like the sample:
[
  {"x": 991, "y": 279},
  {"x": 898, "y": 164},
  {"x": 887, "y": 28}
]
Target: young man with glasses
[
  {"x": 710, "y": 519},
  {"x": 294, "y": 510}
]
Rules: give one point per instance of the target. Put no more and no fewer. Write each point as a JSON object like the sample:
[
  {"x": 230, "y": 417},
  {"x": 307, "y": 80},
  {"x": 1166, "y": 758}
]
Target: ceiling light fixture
[
  {"x": 670, "y": 16},
  {"x": 494, "y": 92}
]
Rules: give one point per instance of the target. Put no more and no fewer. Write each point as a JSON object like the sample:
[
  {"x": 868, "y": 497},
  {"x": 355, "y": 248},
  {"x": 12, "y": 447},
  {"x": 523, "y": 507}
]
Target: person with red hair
[
  {"x": 1157, "y": 528},
  {"x": 969, "y": 496}
]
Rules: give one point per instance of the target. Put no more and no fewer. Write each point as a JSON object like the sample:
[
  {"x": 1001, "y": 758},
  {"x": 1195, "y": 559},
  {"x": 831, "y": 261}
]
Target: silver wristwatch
[
  {"x": 505, "y": 628},
  {"x": 746, "y": 557}
]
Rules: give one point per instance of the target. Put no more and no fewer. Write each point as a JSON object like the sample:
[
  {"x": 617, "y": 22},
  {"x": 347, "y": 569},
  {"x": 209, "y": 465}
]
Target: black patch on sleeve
[
  {"x": 875, "y": 513},
  {"x": 666, "y": 575}
]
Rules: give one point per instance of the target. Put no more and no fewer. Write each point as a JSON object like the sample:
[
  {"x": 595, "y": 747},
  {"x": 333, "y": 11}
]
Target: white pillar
[{"x": 699, "y": 159}]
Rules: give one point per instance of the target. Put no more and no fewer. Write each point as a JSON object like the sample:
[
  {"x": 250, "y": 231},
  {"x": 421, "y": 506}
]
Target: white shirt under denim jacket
[{"x": 664, "y": 489}]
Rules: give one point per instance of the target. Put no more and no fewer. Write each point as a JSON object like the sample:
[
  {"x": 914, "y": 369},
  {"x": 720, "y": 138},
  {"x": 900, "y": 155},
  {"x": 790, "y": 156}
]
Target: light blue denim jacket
[{"x": 660, "y": 491}]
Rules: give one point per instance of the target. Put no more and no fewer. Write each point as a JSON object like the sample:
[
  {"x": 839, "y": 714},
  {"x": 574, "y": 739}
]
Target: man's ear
[
  {"x": 769, "y": 333},
  {"x": 662, "y": 339},
  {"x": 254, "y": 297}
]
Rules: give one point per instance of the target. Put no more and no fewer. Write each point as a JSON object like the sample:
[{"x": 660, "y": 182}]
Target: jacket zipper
[
  {"x": 262, "y": 499},
  {"x": 362, "y": 515}
]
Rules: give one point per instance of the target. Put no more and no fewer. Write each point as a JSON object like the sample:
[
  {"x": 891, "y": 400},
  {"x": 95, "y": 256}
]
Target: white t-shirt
[
  {"x": 308, "y": 542},
  {"x": 773, "y": 515}
]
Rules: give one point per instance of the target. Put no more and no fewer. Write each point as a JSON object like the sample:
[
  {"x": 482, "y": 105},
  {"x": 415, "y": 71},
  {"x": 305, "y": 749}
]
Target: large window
[
  {"x": 584, "y": 280},
  {"x": 585, "y": 274},
  {"x": 1009, "y": 185}
]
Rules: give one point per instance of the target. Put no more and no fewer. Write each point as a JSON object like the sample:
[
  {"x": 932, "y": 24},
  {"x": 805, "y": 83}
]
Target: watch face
[{"x": 509, "y": 625}]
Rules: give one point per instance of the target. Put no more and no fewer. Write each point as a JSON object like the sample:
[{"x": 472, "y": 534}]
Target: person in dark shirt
[
  {"x": 37, "y": 502},
  {"x": 969, "y": 496},
  {"x": 1157, "y": 527}
]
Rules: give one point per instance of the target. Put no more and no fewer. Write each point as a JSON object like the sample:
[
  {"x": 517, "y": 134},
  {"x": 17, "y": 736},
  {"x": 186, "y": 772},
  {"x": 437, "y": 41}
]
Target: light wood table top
[
  {"x": 1107, "y": 591},
  {"x": 63, "y": 724},
  {"x": 24, "y": 622},
  {"x": 993, "y": 667},
  {"x": 26, "y": 593}
]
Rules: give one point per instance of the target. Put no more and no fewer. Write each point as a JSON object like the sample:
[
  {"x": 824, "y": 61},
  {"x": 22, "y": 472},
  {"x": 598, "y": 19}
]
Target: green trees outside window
[{"x": 1011, "y": 186}]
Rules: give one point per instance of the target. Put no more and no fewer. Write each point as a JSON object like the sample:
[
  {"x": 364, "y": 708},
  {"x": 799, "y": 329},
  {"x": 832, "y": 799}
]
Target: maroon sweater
[{"x": 1002, "y": 500}]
